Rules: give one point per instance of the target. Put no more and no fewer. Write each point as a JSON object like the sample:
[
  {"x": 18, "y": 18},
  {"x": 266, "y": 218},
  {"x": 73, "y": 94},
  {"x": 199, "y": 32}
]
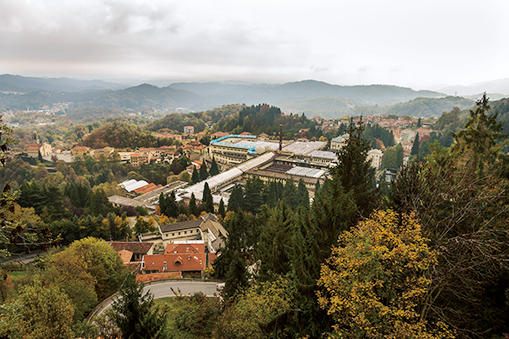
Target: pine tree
[
  {"x": 274, "y": 242},
  {"x": 162, "y": 203},
  {"x": 195, "y": 177},
  {"x": 193, "y": 209},
  {"x": 273, "y": 193},
  {"x": 236, "y": 200},
  {"x": 214, "y": 169},
  {"x": 355, "y": 171},
  {"x": 419, "y": 123},
  {"x": 415, "y": 146},
  {"x": 303, "y": 194},
  {"x": 172, "y": 209},
  {"x": 221, "y": 210},
  {"x": 253, "y": 194},
  {"x": 207, "y": 200},
  {"x": 290, "y": 194},
  {"x": 236, "y": 278},
  {"x": 203, "y": 171},
  {"x": 135, "y": 314}
]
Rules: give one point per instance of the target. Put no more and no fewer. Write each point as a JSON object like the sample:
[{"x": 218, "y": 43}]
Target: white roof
[
  {"x": 127, "y": 182},
  {"x": 306, "y": 172},
  {"x": 324, "y": 154},
  {"x": 224, "y": 177},
  {"x": 135, "y": 185},
  {"x": 304, "y": 147}
]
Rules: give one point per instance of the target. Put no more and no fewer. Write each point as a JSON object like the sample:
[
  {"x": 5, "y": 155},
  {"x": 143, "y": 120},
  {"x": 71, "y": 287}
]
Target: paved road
[{"x": 163, "y": 289}]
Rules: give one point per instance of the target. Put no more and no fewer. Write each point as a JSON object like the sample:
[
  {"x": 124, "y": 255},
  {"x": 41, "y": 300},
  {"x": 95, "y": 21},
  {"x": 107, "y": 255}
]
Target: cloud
[{"x": 366, "y": 41}]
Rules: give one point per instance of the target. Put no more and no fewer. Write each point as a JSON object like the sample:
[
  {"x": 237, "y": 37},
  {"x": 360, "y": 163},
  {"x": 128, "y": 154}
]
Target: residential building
[
  {"x": 80, "y": 150},
  {"x": 138, "y": 159},
  {"x": 188, "y": 257},
  {"x": 206, "y": 228},
  {"x": 188, "y": 129},
  {"x": 339, "y": 142},
  {"x": 33, "y": 150},
  {"x": 375, "y": 156},
  {"x": 102, "y": 152}
]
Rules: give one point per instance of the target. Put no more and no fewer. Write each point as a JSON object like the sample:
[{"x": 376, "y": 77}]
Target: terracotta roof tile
[{"x": 132, "y": 246}]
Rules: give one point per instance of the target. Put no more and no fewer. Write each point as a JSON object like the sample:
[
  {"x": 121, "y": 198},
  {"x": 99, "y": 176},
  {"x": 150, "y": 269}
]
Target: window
[
  {"x": 185, "y": 232},
  {"x": 164, "y": 266},
  {"x": 173, "y": 234}
]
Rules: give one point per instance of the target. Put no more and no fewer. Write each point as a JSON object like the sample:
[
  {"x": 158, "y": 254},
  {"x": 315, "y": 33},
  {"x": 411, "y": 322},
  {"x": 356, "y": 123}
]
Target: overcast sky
[{"x": 418, "y": 43}]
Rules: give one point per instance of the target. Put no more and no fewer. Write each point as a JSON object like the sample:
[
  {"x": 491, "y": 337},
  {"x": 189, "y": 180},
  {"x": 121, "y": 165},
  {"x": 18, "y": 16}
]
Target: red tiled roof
[
  {"x": 125, "y": 256},
  {"x": 143, "y": 188},
  {"x": 174, "y": 262},
  {"x": 184, "y": 248},
  {"x": 132, "y": 246}
]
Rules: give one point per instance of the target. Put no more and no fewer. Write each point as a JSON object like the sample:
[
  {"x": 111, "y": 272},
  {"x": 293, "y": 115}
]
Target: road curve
[{"x": 164, "y": 289}]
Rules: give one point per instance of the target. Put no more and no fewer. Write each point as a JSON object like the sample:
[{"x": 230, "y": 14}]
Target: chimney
[{"x": 280, "y": 137}]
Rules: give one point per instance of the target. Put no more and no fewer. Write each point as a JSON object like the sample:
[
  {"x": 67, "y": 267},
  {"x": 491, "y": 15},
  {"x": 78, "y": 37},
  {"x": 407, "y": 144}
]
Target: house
[
  {"x": 136, "y": 248},
  {"x": 80, "y": 150},
  {"x": 102, "y": 152},
  {"x": 206, "y": 228},
  {"x": 188, "y": 129},
  {"x": 32, "y": 150},
  {"x": 188, "y": 257},
  {"x": 375, "y": 156},
  {"x": 138, "y": 159},
  {"x": 339, "y": 142},
  {"x": 131, "y": 252}
]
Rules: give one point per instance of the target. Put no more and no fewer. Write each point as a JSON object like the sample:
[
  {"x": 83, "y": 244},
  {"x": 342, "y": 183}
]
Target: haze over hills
[
  {"x": 309, "y": 96},
  {"x": 10, "y": 82},
  {"x": 499, "y": 87}
]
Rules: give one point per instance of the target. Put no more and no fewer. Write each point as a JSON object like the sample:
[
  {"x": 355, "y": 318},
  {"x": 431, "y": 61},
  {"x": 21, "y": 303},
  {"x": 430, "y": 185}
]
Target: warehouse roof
[{"x": 304, "y": 147}]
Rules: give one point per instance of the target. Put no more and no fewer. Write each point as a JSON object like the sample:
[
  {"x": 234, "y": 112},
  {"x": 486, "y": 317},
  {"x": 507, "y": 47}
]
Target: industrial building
[{"x": 235, "y": 149}]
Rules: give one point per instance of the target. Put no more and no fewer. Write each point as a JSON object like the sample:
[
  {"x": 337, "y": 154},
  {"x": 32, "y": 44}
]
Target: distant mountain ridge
[
  {"x": 308, "y": 96},
  {"x": 18, "y": 83}
]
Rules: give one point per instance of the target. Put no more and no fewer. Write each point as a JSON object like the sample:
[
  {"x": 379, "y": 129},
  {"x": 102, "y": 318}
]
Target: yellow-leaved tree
[{"x": 376, "y": 280}]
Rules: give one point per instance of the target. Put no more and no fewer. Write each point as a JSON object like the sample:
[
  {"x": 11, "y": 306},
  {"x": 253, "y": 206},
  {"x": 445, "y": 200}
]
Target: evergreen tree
[
  {"x": 162, "y": 203},
  {"x": 236, "y": 200},
  {"x": 195, "y": 177},
  {"x": 236, "y": 278},
  {"x": 221, "y": 210},
  {"x": 214, "y": 169},
  {"x": 39, "y": 156},
  {"x": 203, "y": 171},
  {"x": 355, "y": 172},
  {"x": 193, "y": 209},
  {"x": 419, "y": 123},
  {"x": 274, "y": 242},
  {"x": 273, "y": 193},
  {"x": 207, "y": 201},
  {"x": 415, "y": 146},
  {"x": 291, "y": 195},
  {"x": 253, "y": 194},
  {"x": 172, "y": 209},
  {"x": 303, "y": 194},
  {"x": 135, "y": 313}
]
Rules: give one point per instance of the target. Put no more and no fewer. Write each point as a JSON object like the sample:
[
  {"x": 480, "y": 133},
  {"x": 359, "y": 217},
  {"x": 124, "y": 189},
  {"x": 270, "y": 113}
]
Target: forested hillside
[{"x": 122, "y": 134}]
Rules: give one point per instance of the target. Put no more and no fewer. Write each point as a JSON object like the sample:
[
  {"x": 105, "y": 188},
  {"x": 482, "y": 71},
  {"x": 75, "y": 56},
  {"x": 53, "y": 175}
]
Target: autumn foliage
[{"x": 376, "y": 279}]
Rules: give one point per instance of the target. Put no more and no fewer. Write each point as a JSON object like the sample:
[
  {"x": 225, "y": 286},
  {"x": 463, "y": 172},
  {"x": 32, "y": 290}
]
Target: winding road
[{"x": 164, "y": 289}]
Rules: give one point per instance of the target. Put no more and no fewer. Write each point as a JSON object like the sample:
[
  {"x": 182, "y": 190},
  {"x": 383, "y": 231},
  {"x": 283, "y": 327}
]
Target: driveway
[{"x": 163, "y": 289}]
